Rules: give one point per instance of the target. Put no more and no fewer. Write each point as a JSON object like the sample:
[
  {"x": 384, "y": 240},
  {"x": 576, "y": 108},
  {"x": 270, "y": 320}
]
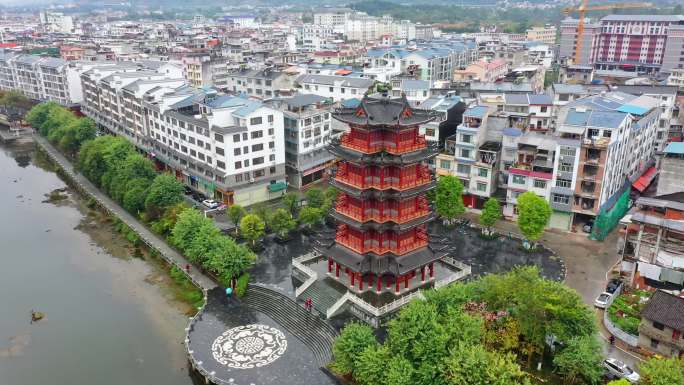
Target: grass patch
[
  {"x": 185, "y": 290},
  {"x": 626, "y": 309}
]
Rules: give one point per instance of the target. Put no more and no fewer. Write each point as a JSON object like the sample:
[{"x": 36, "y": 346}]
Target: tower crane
[{"x": 584, "y": 7}]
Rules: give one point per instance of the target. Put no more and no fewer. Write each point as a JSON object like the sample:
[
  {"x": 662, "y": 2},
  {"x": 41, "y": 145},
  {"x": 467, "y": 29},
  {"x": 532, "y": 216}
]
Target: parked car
[
  {"x": 617, "y": 369},
  {"x": 212, "y": 204},
  {"x": 602, "y": 300},
  {"x": 588, "y": 226},
  {"x": 187, "y": 190},
  {"x": 613, "y": 285}
]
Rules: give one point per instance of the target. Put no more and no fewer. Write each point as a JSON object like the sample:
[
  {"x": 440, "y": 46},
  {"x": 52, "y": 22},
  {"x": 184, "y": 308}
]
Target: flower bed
[{"x": 626, "y": 309}]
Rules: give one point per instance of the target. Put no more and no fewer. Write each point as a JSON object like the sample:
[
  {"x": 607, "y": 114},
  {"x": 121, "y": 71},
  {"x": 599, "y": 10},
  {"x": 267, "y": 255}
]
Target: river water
[{"x": 109, "y": 317}]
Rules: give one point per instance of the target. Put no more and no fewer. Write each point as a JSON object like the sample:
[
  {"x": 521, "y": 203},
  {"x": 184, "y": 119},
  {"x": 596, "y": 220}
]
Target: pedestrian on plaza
[
  {"x": 612, "y": 339},
  {"x": 187, "y": 268}
]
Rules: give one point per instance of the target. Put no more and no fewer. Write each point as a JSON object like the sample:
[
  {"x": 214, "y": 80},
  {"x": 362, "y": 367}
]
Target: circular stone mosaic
[{"x": 249, "y": 346}]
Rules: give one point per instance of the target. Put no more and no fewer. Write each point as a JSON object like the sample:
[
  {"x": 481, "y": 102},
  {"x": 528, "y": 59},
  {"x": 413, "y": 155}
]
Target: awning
[
  {"x": 278, "y": 186},
  {"x": 645, "y": 180}
]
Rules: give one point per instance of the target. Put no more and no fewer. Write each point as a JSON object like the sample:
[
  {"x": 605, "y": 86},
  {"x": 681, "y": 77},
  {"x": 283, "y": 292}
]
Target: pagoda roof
[
  {"x": 381, "y": 264},
  {"x": 384, "y": 111},
  {"x": 382, "y": 226},
  {"x": 382, "y": 194},
  {"x": 382, "y": 157}
]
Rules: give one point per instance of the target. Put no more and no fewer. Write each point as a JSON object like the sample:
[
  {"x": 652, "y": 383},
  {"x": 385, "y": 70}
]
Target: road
[{"x": 587, "y": 265}]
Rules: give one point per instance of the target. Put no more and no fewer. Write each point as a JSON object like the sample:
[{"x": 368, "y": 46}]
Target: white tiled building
[{"x": 336, "y": 87}]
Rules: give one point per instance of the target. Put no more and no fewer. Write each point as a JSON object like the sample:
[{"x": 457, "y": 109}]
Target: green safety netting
[{"x": 607, "y": 220}]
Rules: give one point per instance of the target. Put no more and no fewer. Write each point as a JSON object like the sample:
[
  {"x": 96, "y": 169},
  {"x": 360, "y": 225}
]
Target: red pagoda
[{"x": 381, "y": 243}]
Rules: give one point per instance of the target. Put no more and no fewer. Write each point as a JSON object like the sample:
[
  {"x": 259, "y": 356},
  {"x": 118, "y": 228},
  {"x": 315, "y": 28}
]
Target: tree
[
  {"x": 291, "y": 202},
  {"x": 236, "y": 212},
  {"x": 252, "y": 227},
  {"x": 282, "y": 222},
  {"x": 227, "y": 259},
  {"x": 309, "y": 216},
  {"x": 134, "y": 197},
  {"x": 622, "y": 381},
  {"x": 399, "y": 372},
  {"x": 580, "y": 361},
  {"x": 491, "y": 212},
  {"x": 39, "y": 114},
  {"x": 354, "y": 339},
  {"x": 204, "y": 241},
  {"x": 662, "y": 371},
  {"x": 315, "y": 198},
  {"x": 533, "y": 215},
  {"x": 449, "y": 197},
  {"x": 13, "y": 98},
  {"x": 369, "y": 366},
  {"x": 473, "y": 365},
  {"x": 165, "y": 191},
  {"x": 187, "y": 225}
]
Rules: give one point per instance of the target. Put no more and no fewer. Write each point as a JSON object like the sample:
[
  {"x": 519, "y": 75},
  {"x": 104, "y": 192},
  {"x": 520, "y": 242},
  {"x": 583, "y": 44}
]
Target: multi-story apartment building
[
  {"x": 263, "y": 84},
  {"x": 471, "y": 157},
  {"x": 527, "y": 162},
  {"x": 662, "y": 325},
  {"x": 534, "y": 112},
  {"x": 331, "y": 16},
  {"x": 202, "y": 70},
  {"x": 449, "y": 114},
  {"x": 39, "y": 78},
  {"x": 336, "y": 87},
  {"x": 424, "y": 32},
  {"x": 546, "y": 34},
  {"x": 568, "y": 40},
  {"x": 229, "y": 147},
  {"x": 641, "y": 43},
  {"x": 608, "y": 139},
  {"x": 483, "y": 71}
]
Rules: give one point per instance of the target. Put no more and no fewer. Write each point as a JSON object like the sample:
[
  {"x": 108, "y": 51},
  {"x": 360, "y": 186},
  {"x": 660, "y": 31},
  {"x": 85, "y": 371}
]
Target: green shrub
[
  {"x": 629, "y": 305},
  {"x": 241, "y": 287}
]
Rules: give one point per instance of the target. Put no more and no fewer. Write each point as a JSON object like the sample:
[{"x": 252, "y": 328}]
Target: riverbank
[{"x": 109, "y": 318}]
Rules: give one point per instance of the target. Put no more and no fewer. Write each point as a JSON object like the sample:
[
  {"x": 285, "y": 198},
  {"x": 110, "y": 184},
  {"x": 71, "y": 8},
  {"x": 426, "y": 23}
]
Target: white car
[
  {"x": 602, "y": 300},
  {"x": 212, "y": 204},
  {"x": 618, "y": 369}
]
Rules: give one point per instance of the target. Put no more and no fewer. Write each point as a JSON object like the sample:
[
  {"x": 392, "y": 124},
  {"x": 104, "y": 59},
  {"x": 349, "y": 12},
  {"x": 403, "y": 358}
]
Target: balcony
[
  {"x": 381, "y": 243},
  {"x": 382, "y": 211},
  {"x": 385, "y": 183},
  {"x": 395, "y": 148}
]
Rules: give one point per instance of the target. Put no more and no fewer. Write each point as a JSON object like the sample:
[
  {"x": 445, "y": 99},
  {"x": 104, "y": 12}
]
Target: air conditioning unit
[{"x": 251, "y": 180}]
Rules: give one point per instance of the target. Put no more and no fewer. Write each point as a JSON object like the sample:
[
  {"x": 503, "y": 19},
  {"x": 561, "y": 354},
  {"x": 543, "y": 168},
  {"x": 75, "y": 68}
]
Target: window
[
  {"x": 481, "y": 186},
  {"x": 272, "y": 170},
  {"x": 483, "y": 172},
  {"x": 271, "y": 144},
  {"x": 658, "y": 325},
  {"x": 463, "y": 169},
  {"x": 563, "y": 183},
  {"x": 244, "y": 136},
  {"x": 562, "y": 199},
  {"x": 238, "y": 165},
  {"x": 270, "y": 131},
  {"x": 259, "y": 173},
  {"x": 220, "y": 165},
  {"x": 331, "y": 89},
  {"x": 518, "y": 179},
  {"x": 465, "y": 153},
  {"x": 236, "y": 138},
  {"x": 270, "y": 118},
  {"x": 238, "y": 178},
  {"x": 246, "y": 162},
  {"x": 271, "y": 157},
  {"x": 218, "y": 137},
  {"x": 466, "y": 138},
  {"x": 257, "y": 147},
  {"x": 255, "y": 121},
  {"x": 257, "y": 134},
  {"x": 444, "y": 164},
  {"x": 544, "y": 109},
  {"x": 538, "y": 183},
  {"x": 258, "y": 160},
  {"x": 236, "y": 151},
  {"x": 654, "y": 343},
  {"x": 565, "y": 167},
  {"x": 220, "y": 151},
  {"x": 567, "y": 151},
  {"x": 429, "y": 132}
]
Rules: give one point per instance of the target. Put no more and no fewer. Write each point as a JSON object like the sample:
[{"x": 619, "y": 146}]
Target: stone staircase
[
  {"x": 322, "y": 294},
  {"x": 314, "y": 332}
]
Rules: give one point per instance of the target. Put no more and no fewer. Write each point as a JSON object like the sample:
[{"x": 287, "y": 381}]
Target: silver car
[
  {"x": 602, "y": 300},
  {"x": 617, "y": 369}
]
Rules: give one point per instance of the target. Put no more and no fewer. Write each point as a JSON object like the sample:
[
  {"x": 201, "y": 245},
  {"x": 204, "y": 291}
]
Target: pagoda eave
[
  {"x": 382, "y": 157},
  {"x": 383, "y": 226},
  {"x": 382, "y": 194},
  {"x": 387, "y": 263}
]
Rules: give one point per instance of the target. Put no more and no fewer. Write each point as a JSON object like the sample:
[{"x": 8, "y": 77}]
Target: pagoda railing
[
  {"x": 370, "y": 309},
  {"x": 395, "y": 148},
  {"x": 379, "y": 217},
  {"x": 298, "y": 263},
  {"x": 463, "y": 271},
  {"x": 383, "y": 184},
  {"x": 398, "y": 250}
]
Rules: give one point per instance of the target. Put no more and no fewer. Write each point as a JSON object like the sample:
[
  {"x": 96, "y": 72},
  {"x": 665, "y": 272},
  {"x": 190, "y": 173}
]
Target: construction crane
[{"x": 583, "y": 8}]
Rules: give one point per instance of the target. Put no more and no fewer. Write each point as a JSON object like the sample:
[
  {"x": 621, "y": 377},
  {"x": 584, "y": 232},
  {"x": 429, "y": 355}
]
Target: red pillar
[
  {"x": 432, "y": 270},
  {"x": 406, "y": 281},
  {"x": 422, "y": 274},
  {"x": 337, "y": 270},
  {"x": 397, "y": 284},
  {"x": 330, "y": 264},
  {"x": 360, "y": 282},
  {"x": 352, "y": 276},
  {"x": 379, "y": 284}
]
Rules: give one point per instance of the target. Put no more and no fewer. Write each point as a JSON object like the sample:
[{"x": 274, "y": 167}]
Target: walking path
[{"x": 147, "y": 236}]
